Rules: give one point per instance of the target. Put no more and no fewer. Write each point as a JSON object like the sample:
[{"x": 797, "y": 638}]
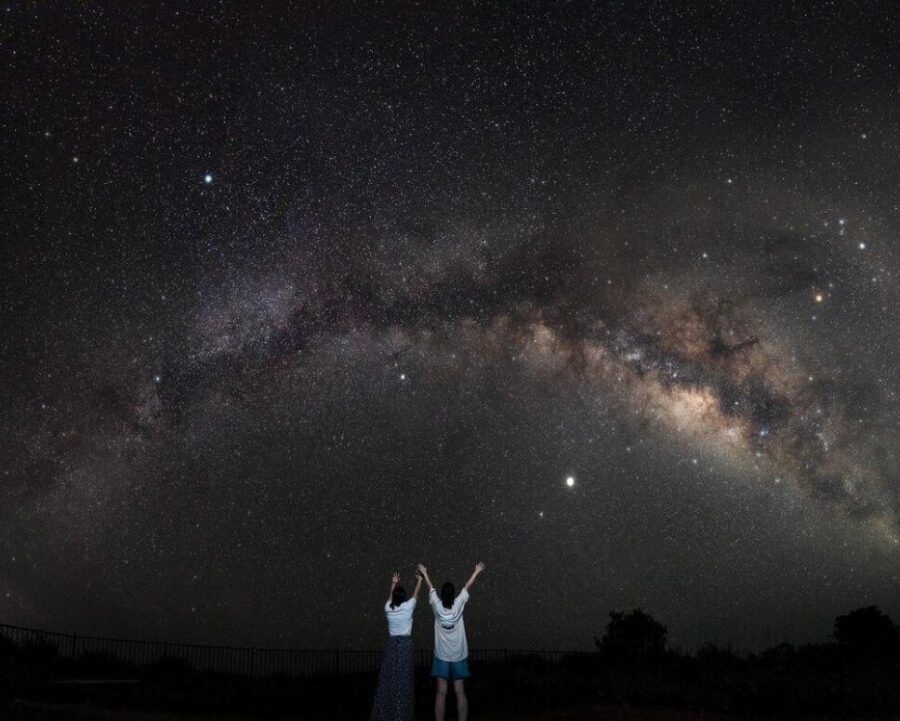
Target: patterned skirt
[{"x": 396, "y": 682}]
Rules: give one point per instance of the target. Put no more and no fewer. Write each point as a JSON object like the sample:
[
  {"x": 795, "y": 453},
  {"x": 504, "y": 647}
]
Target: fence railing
[{"x": 240, "y": 660}]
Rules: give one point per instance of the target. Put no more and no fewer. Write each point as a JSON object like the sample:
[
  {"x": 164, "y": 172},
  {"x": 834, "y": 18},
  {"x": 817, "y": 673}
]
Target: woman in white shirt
[
  {"x": 396, "y": 680},
  {"x": 451, "y": 649}
]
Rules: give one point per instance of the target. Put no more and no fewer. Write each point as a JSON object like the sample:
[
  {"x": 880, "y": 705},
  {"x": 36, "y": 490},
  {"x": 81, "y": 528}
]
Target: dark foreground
[
  {"x": 631, "y": 677},
  {"x": 544, "y": 696},
  {"x": 35, "y": 711},
  {"x": 816, "y": 683}
]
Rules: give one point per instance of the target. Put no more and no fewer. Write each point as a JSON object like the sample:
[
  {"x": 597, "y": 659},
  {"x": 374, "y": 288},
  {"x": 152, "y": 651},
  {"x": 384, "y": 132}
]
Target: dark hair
[
  {"x": 398, "y": 596},
  {"x": 448, "y": 593}
]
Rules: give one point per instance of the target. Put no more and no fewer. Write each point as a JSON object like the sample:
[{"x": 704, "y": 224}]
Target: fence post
[
  {"x": 252, "y": 660},
  {"x": 74, "y": 645}
]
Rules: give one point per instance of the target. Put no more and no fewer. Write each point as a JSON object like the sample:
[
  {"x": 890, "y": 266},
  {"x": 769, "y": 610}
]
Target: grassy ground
[{"x": 33, "y": 711}]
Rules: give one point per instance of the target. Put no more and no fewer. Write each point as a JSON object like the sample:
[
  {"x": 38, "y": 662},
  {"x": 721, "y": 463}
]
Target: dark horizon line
[
  {"x": 63, "y": 635},
  {"x": 591, "y": 647}
]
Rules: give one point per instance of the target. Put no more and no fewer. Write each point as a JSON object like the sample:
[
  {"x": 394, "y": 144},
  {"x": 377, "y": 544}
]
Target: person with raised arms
[
  {"x": 394, "y": 699},
  {"x": 451, "y": 649}
]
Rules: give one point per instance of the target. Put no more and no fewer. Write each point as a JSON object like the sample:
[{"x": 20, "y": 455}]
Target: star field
[{"x": 301, "y": 294}]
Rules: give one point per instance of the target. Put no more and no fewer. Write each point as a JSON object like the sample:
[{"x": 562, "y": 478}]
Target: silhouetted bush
[
  {"x": 867, "y": 636},
  {"x": 632, "y": 635},
  {"x": 709, "y": 653},
  {"x": 169, "y": 667},
  {"x": 96, "y": 664},
  {"x": 781, "y": 656}
]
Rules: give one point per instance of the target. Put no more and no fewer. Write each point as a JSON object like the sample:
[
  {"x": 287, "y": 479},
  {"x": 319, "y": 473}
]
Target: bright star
[
  {"x": 570, "y": 481},
  {"x": 207, "y": 178}
]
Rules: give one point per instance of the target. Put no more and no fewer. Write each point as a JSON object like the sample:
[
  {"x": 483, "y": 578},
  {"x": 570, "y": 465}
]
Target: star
[
  {"x": 208, "y": 178},
  {"x": 570, "y": 481}
]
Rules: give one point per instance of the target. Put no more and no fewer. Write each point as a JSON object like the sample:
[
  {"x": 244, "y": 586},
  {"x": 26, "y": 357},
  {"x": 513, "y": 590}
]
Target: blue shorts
[{"x": 450, "y": 670}]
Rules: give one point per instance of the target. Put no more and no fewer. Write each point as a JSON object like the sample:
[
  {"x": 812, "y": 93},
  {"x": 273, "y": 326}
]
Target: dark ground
[
  {"x": 34, "y": 711},
  {"x": 812, "y": 683}
]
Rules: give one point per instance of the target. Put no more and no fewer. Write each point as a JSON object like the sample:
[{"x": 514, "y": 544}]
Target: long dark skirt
[{"x": 396, "y": 682}]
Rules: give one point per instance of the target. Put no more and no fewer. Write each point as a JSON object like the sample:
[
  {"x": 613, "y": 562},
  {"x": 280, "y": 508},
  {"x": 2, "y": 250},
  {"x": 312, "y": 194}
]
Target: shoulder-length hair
[
  {"x": 448, "y": 593},
  {"x": 398, "y": 596}
]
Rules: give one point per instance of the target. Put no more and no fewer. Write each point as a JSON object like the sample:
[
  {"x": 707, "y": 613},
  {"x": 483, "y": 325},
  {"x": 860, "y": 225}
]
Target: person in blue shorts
[{"x": 451, "y": 650}]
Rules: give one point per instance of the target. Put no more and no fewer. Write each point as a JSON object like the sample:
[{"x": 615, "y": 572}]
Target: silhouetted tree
[
  {"x": 780, "y": 655},
  {"x": 867, "y": 634},
  {"x": 633, "y": 635},
  {"x": 716, "y": 655}
]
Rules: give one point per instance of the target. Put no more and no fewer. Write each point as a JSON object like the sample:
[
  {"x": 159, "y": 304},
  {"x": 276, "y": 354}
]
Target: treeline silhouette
[{"x": 853, "y": 673}]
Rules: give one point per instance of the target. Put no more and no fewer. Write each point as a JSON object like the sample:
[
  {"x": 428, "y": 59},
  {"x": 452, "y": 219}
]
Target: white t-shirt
[
  {"x": 400, "y": 617},
  {"x": 449, "y": 630}
]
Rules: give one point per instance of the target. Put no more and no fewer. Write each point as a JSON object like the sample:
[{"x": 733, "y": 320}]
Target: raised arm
[
  {"x": 479, "y": 567},
  {"x": 418, "y": 585},
  {"x": 395, "y": 579},
  {"x": 424, "y": 572}
]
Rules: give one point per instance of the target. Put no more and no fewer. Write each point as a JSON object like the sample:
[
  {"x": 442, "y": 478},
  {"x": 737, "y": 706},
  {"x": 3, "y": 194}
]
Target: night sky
[{"x": 298, "y": 294}]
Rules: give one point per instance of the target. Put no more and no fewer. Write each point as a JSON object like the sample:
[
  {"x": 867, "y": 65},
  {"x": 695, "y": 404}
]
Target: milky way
[{"x": 297, "y": 298}]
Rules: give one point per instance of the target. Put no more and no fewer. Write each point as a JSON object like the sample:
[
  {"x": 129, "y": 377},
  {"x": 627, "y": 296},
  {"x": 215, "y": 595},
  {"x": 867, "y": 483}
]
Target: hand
[
  {"x": 395, "y": 579},
  {"x": 421, "y": 569},
  {"x": 418, "y": 575},
  {"x": 479, "y": 567}
]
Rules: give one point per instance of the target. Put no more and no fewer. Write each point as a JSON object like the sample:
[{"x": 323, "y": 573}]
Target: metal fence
[{"x": 240, "y": 660}]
